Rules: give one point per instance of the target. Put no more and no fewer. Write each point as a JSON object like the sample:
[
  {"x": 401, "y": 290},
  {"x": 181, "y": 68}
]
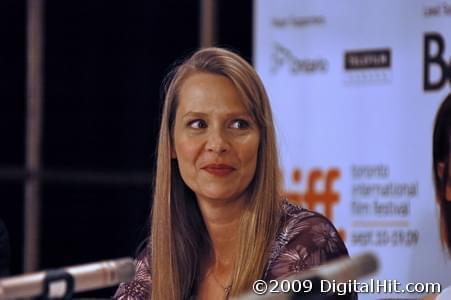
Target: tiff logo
[{"x": 313, "y": 197}]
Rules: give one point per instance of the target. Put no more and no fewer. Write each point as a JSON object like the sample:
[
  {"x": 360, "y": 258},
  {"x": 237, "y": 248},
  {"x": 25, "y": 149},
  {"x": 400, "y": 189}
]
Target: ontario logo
[{"x": 282, "y": 56}]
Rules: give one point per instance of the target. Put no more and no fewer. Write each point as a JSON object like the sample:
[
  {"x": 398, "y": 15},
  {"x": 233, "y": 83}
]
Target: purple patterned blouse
[{"x": 305, "y": 239}]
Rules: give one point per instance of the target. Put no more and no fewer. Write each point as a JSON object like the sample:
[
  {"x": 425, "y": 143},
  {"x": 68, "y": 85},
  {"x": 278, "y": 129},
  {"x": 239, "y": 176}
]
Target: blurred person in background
[
  {"x": 441, "y": 168},
  {"x": 4, "y": 250}
]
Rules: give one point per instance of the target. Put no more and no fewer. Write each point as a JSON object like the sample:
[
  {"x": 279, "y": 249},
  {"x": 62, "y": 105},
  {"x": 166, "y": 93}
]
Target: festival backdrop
[{"x": 354, "y": 86}]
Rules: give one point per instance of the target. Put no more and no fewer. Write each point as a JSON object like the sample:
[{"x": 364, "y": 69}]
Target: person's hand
[{"x": 430, "y": 297}]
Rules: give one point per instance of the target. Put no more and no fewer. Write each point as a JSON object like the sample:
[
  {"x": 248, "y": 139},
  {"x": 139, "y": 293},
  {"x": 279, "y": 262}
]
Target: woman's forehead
[{"x": 207, "y": 92}]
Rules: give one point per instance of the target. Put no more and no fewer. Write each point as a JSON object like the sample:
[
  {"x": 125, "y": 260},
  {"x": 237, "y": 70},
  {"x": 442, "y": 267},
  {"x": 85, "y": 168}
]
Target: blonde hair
[{"x": 178, "y": 235}]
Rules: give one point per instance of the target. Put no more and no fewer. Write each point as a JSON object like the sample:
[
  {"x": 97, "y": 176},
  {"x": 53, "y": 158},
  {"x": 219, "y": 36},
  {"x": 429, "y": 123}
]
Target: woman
[
  {"x": 442, "y": 168},
  {"x": 442, "y": 179},
  {"x": 218, "y": 220}
]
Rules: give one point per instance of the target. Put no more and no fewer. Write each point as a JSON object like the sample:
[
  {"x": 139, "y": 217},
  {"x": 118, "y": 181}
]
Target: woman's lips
[{"x": 219, "y": 169}]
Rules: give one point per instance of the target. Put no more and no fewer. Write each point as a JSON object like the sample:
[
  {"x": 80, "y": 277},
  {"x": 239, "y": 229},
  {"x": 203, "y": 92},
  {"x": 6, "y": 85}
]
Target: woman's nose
[{"x": 217, "y": 142}]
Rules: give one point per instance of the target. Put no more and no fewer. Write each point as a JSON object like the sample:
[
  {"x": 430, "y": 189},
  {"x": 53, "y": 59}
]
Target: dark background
[{"x": 104, "y": 63}]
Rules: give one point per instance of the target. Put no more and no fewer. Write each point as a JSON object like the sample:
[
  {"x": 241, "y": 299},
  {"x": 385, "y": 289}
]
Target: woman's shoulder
[
  {"x": 304, "y": 239},
  {"x": 291, "y": 211},
  {"x": 297, "y": 220}
]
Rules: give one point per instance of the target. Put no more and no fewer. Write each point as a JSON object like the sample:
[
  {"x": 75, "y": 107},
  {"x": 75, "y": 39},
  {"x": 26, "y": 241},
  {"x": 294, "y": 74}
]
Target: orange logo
[{"x": 315, "y": 196}]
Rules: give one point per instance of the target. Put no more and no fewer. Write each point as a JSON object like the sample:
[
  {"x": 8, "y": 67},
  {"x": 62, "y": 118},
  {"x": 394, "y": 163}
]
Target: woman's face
[{"x": 215, "y": 139}]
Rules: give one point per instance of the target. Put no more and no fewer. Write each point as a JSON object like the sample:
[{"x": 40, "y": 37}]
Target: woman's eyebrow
[
  {"x": 194, "y": 114},
  {"x": 227, "y": 115}
]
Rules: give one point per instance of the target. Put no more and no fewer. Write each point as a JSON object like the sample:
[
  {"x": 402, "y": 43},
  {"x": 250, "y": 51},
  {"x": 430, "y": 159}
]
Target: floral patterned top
[{"x": 305, "y": 239}]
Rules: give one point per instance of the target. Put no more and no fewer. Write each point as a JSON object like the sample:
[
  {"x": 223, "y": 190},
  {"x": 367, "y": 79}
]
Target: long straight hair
[
  {"x": 179, "y": 238},
  {"x": 441, "y": 155}
]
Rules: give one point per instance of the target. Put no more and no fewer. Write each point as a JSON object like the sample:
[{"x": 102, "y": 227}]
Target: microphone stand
[{"x": 58, "y": 283}]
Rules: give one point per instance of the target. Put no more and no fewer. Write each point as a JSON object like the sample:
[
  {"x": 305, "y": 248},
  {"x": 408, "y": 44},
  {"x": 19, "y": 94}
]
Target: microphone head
[
  {"x": 339, "y": 270},
  {"x": 125, "y": 269},
  {"x": 368, "y": 262},
  {"x": 349, "y": 268},
  {"x": 85, "y": 277}
]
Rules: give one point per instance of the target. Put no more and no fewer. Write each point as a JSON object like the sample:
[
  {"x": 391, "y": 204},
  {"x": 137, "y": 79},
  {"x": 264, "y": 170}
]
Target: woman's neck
[{"x": 222, "y": 219}]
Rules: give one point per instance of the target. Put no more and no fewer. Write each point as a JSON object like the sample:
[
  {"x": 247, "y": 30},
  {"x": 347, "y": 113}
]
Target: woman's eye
[
  {"x": 240, "y": 124},
  {"x": 197, "y": 124}
]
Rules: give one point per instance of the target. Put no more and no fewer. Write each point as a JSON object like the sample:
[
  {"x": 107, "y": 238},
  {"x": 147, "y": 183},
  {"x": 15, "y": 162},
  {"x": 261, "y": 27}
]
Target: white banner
[{"x": 354, "y": 87}]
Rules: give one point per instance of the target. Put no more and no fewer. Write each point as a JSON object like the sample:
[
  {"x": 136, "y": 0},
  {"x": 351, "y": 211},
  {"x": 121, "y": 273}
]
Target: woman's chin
[{"x": 218, "y": 196}]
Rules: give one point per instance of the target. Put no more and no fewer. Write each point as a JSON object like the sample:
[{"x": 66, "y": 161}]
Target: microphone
[
  {"x": 338, "y": 271},
  {"x": 63, "y": 282}
]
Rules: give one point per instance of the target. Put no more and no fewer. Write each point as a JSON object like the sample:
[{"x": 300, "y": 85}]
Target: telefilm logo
[
  {"x": 368, "y": 65},
  {"x": 368, "y": 59},
  {"x": 434, "y": 58},
  {"x": 283, "y": 56}
]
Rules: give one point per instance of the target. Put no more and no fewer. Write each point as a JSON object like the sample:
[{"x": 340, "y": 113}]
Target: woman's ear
[
  {"x": 448, "y": 193},
  {"x": 440, "y": 169},
  {"x": 441, "y": 172},
  {"x": 173, "y": 154}
]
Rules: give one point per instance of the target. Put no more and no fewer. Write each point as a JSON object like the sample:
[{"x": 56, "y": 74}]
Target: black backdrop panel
[
  {"x": 88, "y": 223},
  {"x": 104, "y": 63},
  {"x": 12, "y": 121},
  {"x": 12, "y": 82}
]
